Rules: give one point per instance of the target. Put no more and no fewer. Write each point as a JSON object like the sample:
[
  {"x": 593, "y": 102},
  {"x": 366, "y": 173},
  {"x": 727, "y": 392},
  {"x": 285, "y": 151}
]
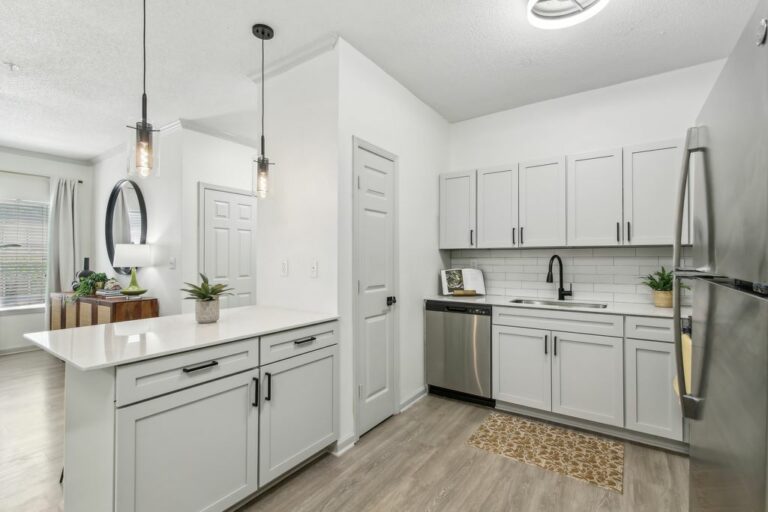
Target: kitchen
[{"x": 342, "y": 375}]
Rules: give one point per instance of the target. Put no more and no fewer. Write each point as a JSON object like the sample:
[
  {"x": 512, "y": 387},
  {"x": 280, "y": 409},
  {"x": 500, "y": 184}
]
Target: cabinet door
[
  {"x": 457, "y": 210},
  {"x": 521, "y": 367},
  {"x": 651, "y": 174},
  {"x": 594, "y": 199},
  {"x": 652, "y": 405},
  {"x": 542, "y": 203},
  {"x": 587, "y": 377},
  {"x": 497, "y": 208},
  {"x": 195, "y": 449},
  {"x": 298, "y": 410}
]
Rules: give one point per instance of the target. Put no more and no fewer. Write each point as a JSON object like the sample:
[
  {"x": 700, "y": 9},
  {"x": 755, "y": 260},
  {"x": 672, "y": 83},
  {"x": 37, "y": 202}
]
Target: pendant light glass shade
[{"x": 261, "y": 182}]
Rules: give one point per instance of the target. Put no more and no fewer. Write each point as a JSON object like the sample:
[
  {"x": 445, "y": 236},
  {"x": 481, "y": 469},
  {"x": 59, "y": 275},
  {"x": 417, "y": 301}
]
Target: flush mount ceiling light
[
  {"x": 260, "y": 166},
  {"x": 554, "y": 14},
  {"x": 143, "y": 146}
]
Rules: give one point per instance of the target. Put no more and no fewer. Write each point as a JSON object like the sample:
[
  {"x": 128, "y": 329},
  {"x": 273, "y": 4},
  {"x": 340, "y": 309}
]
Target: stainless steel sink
[{"x": 559, "y": 303}]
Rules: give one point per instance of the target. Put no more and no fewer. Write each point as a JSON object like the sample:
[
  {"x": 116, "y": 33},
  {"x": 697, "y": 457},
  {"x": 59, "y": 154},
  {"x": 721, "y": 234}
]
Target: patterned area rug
[{"x": 585, "y": 457}]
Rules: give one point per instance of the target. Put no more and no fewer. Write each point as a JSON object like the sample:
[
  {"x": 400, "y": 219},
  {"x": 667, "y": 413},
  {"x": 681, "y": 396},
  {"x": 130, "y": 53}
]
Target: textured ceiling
[{"x": 79, "y": 81}]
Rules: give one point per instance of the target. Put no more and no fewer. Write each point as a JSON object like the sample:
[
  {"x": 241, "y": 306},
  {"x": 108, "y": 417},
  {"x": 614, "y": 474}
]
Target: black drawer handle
[
  {"x": 202, "y": 366},
  {"x": 269, "y": 386},
  {"x": 256, "y": 393},
  {"x": 305, "y": 340}
]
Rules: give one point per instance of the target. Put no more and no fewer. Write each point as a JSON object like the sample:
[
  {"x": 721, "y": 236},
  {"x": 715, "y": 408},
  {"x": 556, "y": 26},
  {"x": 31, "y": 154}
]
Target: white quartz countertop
[
  {"x": 613, "y": 308},
  {"x": 107, "y": 345}
]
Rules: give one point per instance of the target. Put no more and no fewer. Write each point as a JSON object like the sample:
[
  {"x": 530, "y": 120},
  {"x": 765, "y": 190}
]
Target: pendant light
[
  {"x": 260, "y": 166},
  {"x": 143, "y": 146}
]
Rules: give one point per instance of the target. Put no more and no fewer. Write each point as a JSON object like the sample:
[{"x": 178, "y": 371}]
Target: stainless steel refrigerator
[{"x": 727, "y": 402}]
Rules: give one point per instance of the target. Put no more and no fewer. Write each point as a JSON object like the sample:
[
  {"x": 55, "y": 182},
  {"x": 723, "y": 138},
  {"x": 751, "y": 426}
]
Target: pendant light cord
[
  {"x": 262, "y": 97},
  {"x": 144, "y": 58}
]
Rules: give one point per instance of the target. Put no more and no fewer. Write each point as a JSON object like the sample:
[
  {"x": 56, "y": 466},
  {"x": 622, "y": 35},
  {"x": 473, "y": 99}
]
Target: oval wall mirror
[{"x": 126, "y": 220}]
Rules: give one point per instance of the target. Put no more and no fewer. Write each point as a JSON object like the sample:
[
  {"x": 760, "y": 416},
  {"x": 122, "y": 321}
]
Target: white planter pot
[{"x": 207, "y": 311}]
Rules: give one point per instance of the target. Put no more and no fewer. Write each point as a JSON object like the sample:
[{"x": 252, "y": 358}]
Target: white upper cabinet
[
  {"x": 497, "y": 207},
  {"x": 651, "y": 174},
  {"x": 457, "y": 210},
  {"x": 594, "y": 198},
  {"x": 542, "y": 203}
]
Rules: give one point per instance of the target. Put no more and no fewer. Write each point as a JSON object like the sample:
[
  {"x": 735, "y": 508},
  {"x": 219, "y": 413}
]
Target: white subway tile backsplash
[{"x": 610, "y": 274}]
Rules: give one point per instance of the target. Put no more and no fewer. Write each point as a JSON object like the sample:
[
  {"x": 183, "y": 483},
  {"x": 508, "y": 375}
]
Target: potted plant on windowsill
[
  {"x": 206, "y": 297},
  {"x": 661, "y": 284}
]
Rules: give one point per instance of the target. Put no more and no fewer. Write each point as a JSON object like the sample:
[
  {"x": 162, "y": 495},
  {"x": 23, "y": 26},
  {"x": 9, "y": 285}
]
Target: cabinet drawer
[
  {"x": 648, "y": 328},
  {"x": 282, "y": 345},
  {"x": 146, "y": 379},
  {"x": 569, "y": 321}
]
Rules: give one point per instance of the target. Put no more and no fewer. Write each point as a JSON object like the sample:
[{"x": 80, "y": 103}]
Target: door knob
[{"x": 391, "y": 300}]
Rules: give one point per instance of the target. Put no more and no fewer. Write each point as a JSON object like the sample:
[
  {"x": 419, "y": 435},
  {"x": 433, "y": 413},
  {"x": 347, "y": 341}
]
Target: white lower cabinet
[
  {"x": 587, "y": 377},
  {"x": 195, "y": 449},
  {"x": 299, "y": 410},
  {"x": 522, "y": 373},
  {"x": 652, "y": 405}
]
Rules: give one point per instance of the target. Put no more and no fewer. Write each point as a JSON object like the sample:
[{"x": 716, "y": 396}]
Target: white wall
[
  {"x": 298, "y": 222},
  {"x": 653, "y": 108},
  {"x": 14, "y": 324},
  {"x": 162, "y": 197},
  {"x": 376, "y": 108}
]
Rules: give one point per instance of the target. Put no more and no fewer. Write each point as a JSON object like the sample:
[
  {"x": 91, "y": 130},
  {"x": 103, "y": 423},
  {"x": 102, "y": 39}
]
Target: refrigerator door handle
[{"x": 693, "y": 144}]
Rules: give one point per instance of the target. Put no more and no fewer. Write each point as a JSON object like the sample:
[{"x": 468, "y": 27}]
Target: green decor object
[
  {"x": 133, "y": 287},
  {"x": 661, "y": 283},
  {"x": 207, "y": 299},
  {"x": 89, "y": 284},
  {"x": 133, "y": 256}
]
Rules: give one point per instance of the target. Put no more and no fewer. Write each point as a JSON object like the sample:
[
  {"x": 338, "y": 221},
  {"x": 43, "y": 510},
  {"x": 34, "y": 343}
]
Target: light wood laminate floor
[{"x": 416, "y": 461}]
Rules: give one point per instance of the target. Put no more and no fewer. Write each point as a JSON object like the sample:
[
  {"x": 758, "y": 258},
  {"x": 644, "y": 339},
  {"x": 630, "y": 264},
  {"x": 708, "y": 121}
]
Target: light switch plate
[
  {"x": 284, "y": 268},
  {"x": 313, "y": 269}
]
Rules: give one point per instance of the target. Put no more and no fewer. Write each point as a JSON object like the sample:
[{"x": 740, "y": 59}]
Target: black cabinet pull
[
  {"x": 305, "y": 340},
  {"x": 203, "y": 366},
  {"x": 629, "y": 231},
  {"x": 471, "y": 237},
  {"x": 521, "y": 236},
  {"x": 513, "y": 236},
  {"x": 268, "y": 397},
  {"x": 546, "y": 340},
  {"x": 618, "y": 230},
  {"x": 256, "y": 393},
  {"x": 391, "y": 300},
  {"x": 554, "y": 344}
]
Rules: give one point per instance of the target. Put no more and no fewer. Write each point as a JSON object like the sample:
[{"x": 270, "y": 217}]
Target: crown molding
[
  {"x": 197, "y": 126},
  {"x": 47, "y": 156},
  {"x": 301, "y": 55}
]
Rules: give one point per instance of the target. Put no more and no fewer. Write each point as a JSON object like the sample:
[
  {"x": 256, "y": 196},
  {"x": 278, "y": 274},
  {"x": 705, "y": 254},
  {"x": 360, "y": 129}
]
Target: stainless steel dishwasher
[{"x": 458, "y": 350}]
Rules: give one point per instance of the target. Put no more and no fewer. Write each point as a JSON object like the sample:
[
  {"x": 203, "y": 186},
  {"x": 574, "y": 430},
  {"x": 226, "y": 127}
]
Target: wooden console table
[{"x": 99, "y": 310}]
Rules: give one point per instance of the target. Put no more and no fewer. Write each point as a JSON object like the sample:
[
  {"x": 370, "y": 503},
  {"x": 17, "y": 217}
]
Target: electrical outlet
[
  {"x": 284, "y": 268},
  {"x": 313, "y": 269}
]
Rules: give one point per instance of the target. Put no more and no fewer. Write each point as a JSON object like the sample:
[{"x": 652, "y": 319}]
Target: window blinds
[{"x": 23, "y": 252}]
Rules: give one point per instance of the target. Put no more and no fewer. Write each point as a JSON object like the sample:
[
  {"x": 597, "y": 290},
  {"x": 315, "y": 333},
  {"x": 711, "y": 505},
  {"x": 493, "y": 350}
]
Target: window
[{"x": 23, "y": 252}]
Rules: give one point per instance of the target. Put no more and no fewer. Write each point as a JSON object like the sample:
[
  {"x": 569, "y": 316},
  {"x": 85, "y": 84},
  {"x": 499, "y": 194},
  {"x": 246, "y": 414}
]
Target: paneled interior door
[
  {"x": 228, "y": 241},
  {"x": 374, "y": 237}
]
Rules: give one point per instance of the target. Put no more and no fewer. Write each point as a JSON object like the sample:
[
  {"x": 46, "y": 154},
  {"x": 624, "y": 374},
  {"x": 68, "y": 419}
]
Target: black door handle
[
  {"x": 521, "y": 236},
  {"x": 471, "y": 237},
  {"x": 256, "y": 393},
  {"x": 391, "y": 300},
  {"x": 269, "y": 386},
  {"x": 618, "y": 229},
  {"x": 203, "y": 366},
  {"x": 546, "y": 340},
  {"x": 629, "y": 231},
  {"x": 554, "y": 345},
  {"x": 513, "y": 236}
]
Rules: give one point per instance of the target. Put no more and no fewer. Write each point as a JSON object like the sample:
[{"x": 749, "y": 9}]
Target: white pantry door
[
  {"x": 229, "y": 243},
  {"x": 375, "y": 252}
]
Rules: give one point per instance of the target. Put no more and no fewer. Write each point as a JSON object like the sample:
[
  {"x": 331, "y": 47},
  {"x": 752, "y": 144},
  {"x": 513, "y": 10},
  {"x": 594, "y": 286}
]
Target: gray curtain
[{"x": 63, "y": 235}]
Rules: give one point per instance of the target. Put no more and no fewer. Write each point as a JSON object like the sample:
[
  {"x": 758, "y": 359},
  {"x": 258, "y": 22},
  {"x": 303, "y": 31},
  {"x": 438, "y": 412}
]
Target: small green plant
[
  {"x": 660, "y": 281},
  {"x": 206, "y": 292},
  {"x": 89, "y": 284}
]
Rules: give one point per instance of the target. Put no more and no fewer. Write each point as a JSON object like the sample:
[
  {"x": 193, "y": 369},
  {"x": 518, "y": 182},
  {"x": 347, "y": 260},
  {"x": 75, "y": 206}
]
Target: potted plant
[
  {"x": 661, "y": 284},
  {"x": 89, "y": 284},
  {"x": 207, "y": 299}
]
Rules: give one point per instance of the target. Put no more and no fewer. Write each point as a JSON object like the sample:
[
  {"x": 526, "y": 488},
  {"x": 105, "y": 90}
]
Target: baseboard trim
[
  {"x": 589, "y": 426},
  {"x": 410, "y": 401},
  {"x": 17, "y": 350},
  {"x": 344, "y": 446}
]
